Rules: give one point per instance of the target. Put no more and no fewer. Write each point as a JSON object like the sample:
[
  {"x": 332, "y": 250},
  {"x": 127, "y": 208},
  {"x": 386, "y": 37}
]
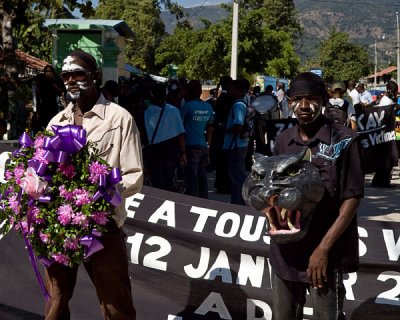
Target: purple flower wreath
[{"x": 59, "y": 194}]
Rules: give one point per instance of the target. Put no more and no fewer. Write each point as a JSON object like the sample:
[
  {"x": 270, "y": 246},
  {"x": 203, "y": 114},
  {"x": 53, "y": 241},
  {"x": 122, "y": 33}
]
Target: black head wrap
[
  {"x": 392, "y": 89},
  {"x": 308, "y": 83},
  {"x": 89, "y": 60}
]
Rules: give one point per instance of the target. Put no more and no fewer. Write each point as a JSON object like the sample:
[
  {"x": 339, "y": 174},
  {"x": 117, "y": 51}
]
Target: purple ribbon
[
  {"x": 33, "y": 262},
  {"x": 67, "y": 140},
  {"x": 45, "y": 262},
  {"x": 91, "y": 243},
  {"x": 25, "y": 140},
  {"x": 39, "y": 167},
  {"x": 17, "y": 153},
  {"x": 106, "y": 188},
  {"x": 45, "y": 199},
  {"x": 29, "y": 214}
]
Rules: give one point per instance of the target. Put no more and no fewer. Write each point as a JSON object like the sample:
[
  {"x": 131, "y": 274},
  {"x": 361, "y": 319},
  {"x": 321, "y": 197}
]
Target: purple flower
[
  {"x": 14, "y": 204},
  {"x": 100, "y": 217},
  {"x": 39, "y": 156},
  {"x": 66, "y": 211},
  {"x": 96, "y": 169},
  {"x": 65, "y": 214},
  {"x": 8, "y": 175},
  {"x": 80, "y": 219},
  {"x": 81, "y": 197},
  {"x": 71, "y": 244},
  {"x": 65, "y": 194},
  {"x": 23, "y": 227},
  {"x": 19, "y": 173},
  {"x": 44, "y": 237},
  {"x": 67, "y": 169},
  {"x": 35, "y": 212},
  {"x": 39, "y": 142},
  {"x": 17, "y": 227},
  {"x": 61, "y": 258}
]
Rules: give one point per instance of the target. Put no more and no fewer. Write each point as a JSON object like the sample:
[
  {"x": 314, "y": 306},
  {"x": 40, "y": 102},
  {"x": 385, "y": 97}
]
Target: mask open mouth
[{"x": 283, "y": 221}]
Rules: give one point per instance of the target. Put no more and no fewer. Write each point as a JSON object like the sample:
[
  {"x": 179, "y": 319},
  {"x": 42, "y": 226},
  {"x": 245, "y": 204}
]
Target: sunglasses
[{"x": 77, "y": 75}]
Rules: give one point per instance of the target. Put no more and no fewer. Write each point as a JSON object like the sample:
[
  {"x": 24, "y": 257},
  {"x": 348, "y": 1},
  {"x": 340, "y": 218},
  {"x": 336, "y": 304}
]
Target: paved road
[
  {"x": 378, "y": 204},
  {"x": 382, "y": 203}
]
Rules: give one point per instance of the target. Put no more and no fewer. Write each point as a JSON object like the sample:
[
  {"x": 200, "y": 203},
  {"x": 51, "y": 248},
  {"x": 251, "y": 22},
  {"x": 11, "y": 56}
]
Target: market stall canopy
[
  {"x": 132, "y": 69},
  {"x": 138, "y": 72}
]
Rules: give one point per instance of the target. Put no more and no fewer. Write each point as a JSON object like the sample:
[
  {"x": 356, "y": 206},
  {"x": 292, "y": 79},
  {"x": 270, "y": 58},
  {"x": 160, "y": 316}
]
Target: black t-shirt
[
  {"x": 336, "y": 152},
  {"x": 223, "y": 107}
]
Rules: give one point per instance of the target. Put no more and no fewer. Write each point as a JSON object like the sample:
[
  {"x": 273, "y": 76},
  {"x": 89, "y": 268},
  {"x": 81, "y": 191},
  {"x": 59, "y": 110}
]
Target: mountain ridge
[{"x": 364, "y": 23}]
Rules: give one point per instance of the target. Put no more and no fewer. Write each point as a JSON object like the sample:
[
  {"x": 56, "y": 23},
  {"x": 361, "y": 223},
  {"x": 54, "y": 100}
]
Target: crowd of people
[
  {"x": 207, "y": 134},
  {"x": 185, "y": 134},
  {"x": 179, "y": 134},
  {"x": 184, "y": 137}
]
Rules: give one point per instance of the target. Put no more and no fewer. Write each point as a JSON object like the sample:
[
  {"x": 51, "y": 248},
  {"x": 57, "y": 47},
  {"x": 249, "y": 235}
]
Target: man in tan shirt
[{"x": 114, "y": 131}]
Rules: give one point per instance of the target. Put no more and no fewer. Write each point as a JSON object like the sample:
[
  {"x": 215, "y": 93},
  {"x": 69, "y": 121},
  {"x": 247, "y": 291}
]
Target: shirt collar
[
  {"x": 323, "y": 134},
  {"x": 99, "y": 109}
]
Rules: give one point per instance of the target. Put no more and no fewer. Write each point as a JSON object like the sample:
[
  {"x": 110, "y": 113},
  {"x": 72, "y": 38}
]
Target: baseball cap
[{"x": 338, "y": 85}]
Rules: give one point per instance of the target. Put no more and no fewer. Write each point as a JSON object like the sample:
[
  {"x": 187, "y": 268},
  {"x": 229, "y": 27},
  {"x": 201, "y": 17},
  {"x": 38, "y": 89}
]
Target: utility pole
[
  {"x": 398, "y": 48},
  {"x": 235, "y": 27},
  {"x": 376, "y": 63}
]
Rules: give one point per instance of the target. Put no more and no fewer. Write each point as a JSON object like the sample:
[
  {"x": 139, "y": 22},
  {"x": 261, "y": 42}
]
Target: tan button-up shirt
[{"x": 114, "y": 131}]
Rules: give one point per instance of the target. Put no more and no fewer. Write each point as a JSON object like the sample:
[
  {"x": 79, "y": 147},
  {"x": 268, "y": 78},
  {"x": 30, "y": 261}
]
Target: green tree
[
  {"x": 268, "y": 30},
  {"x": 26, "y": 17},
  {"x": 143, "y": 17},
  {"x": 340, "y": 59},
  {"x": 276, "y": 14},
  {"x": 21, "y": 27},
  {"x": 265, "y": 44},
  {"x": 202, "y": 54}
]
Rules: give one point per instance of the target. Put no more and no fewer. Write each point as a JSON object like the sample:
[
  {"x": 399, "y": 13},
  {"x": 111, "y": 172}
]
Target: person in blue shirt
[
  {"x": 234, "y": 145},
  {"x": 197, "y": 117},
  {"x": 166, "y": 141}
]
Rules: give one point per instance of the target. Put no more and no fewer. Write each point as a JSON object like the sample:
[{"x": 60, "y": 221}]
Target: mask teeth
[
  {"x": 283, "y": 213},
  {"x": 290, "y": 225}
]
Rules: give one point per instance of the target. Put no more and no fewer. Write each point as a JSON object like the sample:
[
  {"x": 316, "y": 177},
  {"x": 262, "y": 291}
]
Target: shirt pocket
[
  {"x": 106, "y": 142},
  {"x": 107, "y": 150}
]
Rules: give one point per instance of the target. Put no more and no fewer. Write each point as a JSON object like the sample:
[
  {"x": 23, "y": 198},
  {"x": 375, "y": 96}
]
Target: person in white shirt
[
  {"x": 353, "y": 93},
  {"x": 283, "y": 101},
  {"x": 117, "y": 139},
  {"x": 365, "y": 96}
]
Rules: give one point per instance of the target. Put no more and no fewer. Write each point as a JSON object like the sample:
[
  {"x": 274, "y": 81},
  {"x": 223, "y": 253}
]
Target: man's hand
[
  {"x": 317, "y": 266},
  {"x": 318, "y": 262}
]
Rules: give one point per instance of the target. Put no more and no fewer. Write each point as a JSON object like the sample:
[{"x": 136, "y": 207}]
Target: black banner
[
  {"x": 200, "y": 259},
  {"x": 273, "y": 128},
  {"x": 376, "y": 126}
]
